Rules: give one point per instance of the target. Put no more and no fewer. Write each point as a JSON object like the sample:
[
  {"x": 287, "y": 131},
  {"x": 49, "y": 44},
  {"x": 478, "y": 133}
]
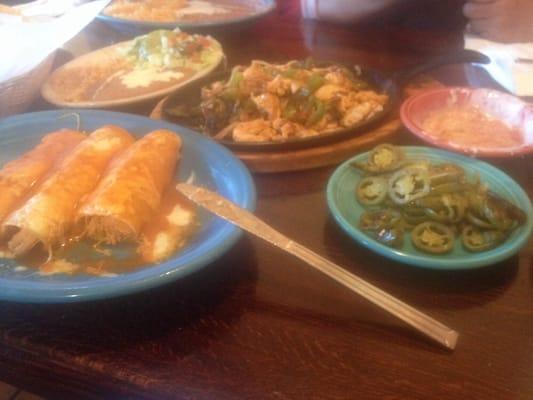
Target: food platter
[
  {"x": 370, "y": 84},
  {"x": 346, "y": 211},
  {"x": 191, "y": 97},
  {"x": 126, "y": 73},
  {"x": 204, "y": 163},
  {"x": 261, "y": 8},
  {"x": 479, "y": 122}
]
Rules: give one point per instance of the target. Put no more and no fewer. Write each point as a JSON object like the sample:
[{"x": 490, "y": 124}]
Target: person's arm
[
  {"x": 501, "y": 20},
  {"x": 344, "y": 10}
]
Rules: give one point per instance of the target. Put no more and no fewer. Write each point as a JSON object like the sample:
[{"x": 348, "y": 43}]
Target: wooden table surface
[{"x": 259, "y": 324}]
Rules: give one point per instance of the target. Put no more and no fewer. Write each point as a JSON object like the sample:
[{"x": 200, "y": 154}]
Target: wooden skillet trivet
[{"x": 326, "y": 154}]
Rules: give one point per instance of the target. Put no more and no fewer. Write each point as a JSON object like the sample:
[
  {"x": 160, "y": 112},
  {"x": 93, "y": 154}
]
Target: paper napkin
[{"x": 42, "y": 27}]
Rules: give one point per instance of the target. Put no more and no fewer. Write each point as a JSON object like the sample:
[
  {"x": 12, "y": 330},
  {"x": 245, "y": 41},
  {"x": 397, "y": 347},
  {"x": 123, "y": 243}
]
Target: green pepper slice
[
  {"x": 375, "y": 220},
  {"x": 290, "y": 72},
  {"x": 315, "y": 82},
  {"x": 475, "y": 239},
  {"x": 501, "y": 213},
  {"x": 488, "y": 211},
  {"x": 413, "y": 215},
  {"x": 433, "y": 237},
  {"x": 385, "y": 226},
  {"x": 408, "y": 184},
  {"x": 446, "y": 173},
  {"x": 447, "y": 187},
  {"x": 371, "y": 190},
  {"x": 383, "y": 158},
  {"x": 318, "y": 110},
  {"x": 478, "y": 221},
  {"x": 447, "y": 208},
  {"x": 235, "y": 79}
]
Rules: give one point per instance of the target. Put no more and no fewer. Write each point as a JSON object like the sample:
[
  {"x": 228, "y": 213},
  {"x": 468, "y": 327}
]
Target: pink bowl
[{"x": 511, "y": 110}]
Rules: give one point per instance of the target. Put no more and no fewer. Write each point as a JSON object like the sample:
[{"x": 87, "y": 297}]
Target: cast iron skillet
[{"x": 388, "y": 84}]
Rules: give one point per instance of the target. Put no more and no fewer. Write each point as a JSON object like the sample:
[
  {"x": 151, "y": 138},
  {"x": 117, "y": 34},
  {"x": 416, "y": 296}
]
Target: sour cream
[{"x": 144, "y": 77}]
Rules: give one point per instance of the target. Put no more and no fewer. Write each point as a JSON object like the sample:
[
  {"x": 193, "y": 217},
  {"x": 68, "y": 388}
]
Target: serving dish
[
  {"x": 346, "y": 211},
  {"x": 133, "y": 71},
  {"x": 262, "y": 9},
  {"x": 204, "y": 163},
  {"x": 387, "y": 84},
  {"x": 480, "y": 122}
]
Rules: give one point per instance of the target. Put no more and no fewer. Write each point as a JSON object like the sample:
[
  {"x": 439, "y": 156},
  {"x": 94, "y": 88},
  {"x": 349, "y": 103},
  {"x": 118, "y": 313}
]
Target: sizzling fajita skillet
[{"x": 183, "y": 106}]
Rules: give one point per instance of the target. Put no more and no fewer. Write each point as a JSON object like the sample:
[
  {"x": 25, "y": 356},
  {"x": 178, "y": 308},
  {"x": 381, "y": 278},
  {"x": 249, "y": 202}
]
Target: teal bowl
[{"x": 346, "y": 211}]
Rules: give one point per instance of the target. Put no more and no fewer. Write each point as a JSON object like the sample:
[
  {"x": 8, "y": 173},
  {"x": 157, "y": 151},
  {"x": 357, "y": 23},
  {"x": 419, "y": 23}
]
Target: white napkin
[
  {"x": 511, "y": 64},
  {"x": 45, "y": 27}
]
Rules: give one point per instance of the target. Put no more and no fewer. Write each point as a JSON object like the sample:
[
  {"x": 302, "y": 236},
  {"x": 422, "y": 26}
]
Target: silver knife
[{"x": 244, "y": 219}]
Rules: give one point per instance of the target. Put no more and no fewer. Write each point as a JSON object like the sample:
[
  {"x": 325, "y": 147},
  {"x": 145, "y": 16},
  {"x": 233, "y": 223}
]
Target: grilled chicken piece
[
  {"x": 257, "y": 130},
  {"x": 269, "y": 104}
]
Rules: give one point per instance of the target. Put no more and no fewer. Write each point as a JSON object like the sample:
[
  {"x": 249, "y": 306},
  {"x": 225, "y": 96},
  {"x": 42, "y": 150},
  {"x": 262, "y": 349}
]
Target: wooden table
[{"x": 258, "y": 324}]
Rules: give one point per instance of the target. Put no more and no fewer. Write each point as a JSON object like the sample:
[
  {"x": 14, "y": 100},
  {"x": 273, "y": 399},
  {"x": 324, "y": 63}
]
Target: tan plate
[{"x": 99, "y": 69}]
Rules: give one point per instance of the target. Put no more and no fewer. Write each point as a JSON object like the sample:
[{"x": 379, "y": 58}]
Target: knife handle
[
  {"x": 249, "y": 222},
  {"x": 420, "y": 321}
]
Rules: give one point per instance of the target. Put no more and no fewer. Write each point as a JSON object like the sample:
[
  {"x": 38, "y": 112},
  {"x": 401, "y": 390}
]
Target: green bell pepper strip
[
  {"x": 317, "y": 111},
  {"x": 235, "y": 79},
  {"x": 314, "y": 82},
  {"x": 290, "y": 73}
]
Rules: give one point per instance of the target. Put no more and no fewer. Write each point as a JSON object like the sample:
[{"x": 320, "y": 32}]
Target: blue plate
[
  {"x": 204, "y": 162},
  {"x": 265, "y": 7},
  {"x": 346, "y": 210}
]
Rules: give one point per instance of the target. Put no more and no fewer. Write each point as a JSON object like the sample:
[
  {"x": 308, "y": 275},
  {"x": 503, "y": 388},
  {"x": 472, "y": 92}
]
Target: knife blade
[{"x": 244, "y": 219}]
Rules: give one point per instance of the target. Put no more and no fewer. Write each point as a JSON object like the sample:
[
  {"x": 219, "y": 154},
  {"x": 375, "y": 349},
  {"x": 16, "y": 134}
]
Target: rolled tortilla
[
  {"x": 21, "y": 176},
  {"x": 169, "y": 229},
  {"x": 132, "y": 189},
  {"x": 50, "y": 213}
]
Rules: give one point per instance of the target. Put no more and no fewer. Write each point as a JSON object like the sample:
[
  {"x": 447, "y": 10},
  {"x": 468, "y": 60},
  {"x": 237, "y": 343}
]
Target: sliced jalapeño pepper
[
  {"x": 372, "y": 190},
  {"x": 408, "y": 184},
  {"x": 501, "y": 213},
  {"x": 433, "y": 202},
  {"x": 432, "y": 237},
  {"x": 446, "y": 173},
  {"x": 383, "y": 158},
  {"x": 478, "y": 221},
  {"x": 490, "y": 211},
  {"x": 374, "y": 220},
  {"x": 447, "y": 208},
  {"x": 475, "y": 239},
  {"x": 385, "y": 226},
  {"x": 447, "y": 187},
  {"x": 413, "y": 215}
]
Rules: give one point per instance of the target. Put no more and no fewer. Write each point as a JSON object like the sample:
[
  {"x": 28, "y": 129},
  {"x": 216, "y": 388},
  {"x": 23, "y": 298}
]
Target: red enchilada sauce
[{"x": 176, "y": 220}]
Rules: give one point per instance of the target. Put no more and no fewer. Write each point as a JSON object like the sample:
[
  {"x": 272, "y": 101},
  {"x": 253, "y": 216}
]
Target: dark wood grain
[{"x": 258, "y": 324}]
